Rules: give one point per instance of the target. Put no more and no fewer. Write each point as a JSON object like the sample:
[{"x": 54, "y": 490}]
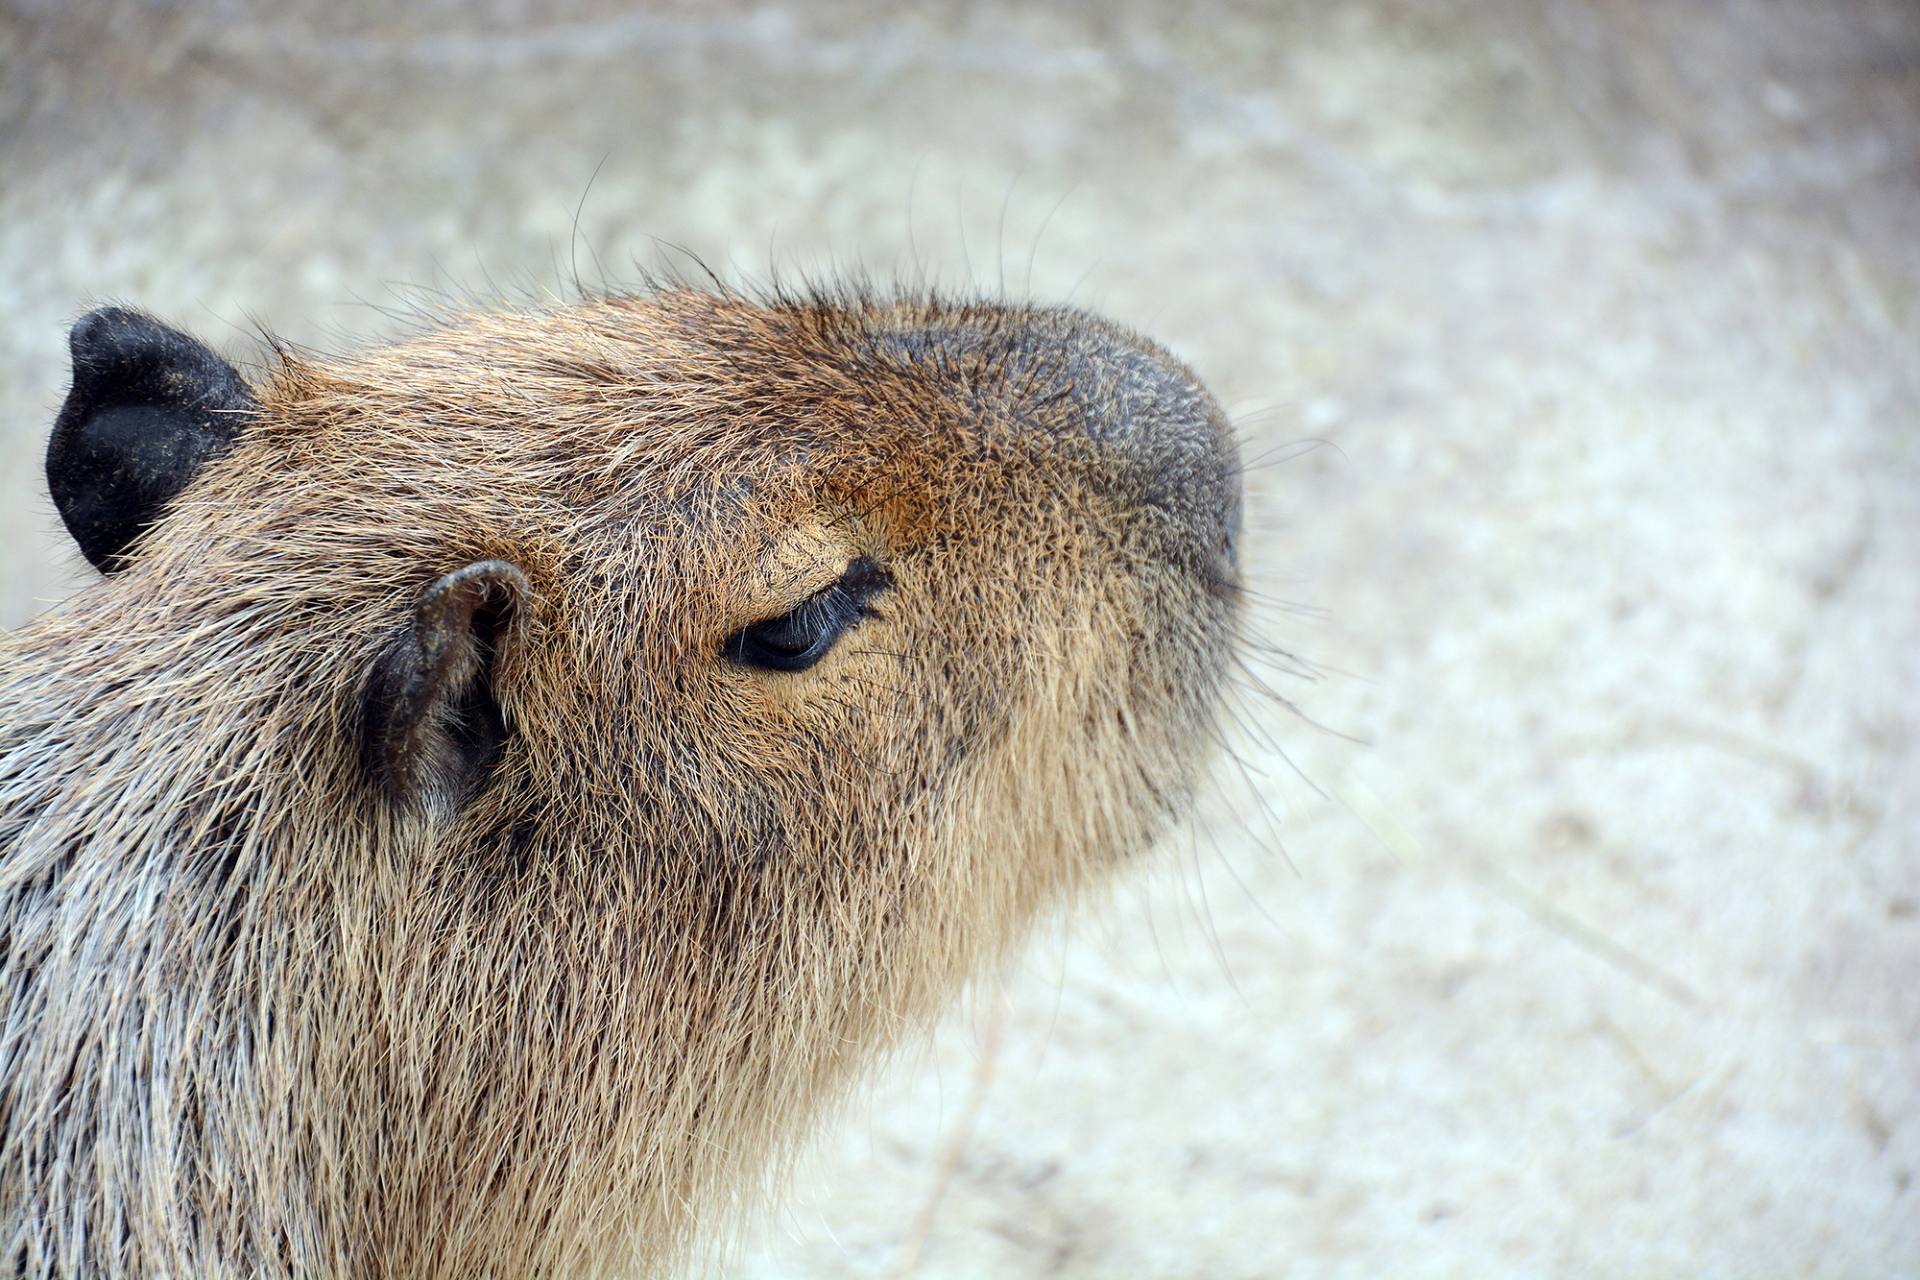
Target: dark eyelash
[{"x": 799, "y": 638}]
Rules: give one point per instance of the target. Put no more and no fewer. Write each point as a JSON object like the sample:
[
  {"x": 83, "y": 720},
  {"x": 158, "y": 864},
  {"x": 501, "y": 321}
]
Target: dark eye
[{"x": 796, "y": 640}]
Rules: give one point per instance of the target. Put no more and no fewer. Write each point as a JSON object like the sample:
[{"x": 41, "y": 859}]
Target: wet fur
[{"x": 260, "y": 1020}]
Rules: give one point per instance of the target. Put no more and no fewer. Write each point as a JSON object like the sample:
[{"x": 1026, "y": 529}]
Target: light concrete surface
[{"x": 1601, "y": 956}]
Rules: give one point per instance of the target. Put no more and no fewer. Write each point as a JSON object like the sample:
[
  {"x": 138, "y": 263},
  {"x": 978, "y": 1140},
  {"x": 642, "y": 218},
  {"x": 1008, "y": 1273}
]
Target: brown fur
[{"x": 260, "y": 1021}]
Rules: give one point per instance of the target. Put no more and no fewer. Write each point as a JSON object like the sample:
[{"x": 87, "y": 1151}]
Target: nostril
[
  {"x": 1223, "y": 574},
  {"x": 1236, "y": 501}
]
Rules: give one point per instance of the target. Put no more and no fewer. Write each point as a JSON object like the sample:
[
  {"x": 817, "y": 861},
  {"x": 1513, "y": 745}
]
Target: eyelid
[
  {"x": 861, "y": 579},
  {"x": 814, "y": 593},
  {"x": 825, "y": 616}
]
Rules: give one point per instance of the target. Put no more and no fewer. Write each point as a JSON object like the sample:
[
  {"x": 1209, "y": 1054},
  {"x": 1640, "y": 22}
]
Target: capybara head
[{"x": 506, "y": 783}]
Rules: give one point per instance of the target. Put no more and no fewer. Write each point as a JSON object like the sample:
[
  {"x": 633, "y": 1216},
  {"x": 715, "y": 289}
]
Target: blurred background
[{"x": 1598, "y": 952}]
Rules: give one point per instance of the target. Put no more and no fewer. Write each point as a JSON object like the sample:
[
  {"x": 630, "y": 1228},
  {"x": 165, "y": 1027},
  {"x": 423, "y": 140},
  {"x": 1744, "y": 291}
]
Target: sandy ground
[{"x": 1601, "y": 956}]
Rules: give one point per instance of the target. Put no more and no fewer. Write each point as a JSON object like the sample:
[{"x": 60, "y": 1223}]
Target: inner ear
[
  {"x": 433, "y": 727},
  {"x": 149, "y": 407}
]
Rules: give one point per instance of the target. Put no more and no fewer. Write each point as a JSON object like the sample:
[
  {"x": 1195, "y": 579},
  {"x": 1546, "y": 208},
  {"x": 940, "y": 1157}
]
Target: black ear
[
  {"x": 149, "y": 407},
  {"x": 433, "y": 727}
]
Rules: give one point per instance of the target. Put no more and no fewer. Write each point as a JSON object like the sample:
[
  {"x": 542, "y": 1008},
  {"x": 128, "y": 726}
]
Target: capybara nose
[
  {"x": 1149, "y": 436},
  {"x": 1172, "y": 448},
  {"x": 1136, "y": 420}
]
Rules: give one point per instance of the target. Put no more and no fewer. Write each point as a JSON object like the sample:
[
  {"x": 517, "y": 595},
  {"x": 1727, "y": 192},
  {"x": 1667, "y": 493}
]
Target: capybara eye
[{"x": 802, "y": 636}]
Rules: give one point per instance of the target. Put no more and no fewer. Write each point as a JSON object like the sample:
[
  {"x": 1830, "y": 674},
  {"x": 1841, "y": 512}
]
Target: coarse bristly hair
[{"x": 261, "y": 1016}]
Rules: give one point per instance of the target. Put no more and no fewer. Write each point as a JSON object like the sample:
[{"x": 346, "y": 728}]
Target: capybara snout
[{"x": 1153, "y": 436}]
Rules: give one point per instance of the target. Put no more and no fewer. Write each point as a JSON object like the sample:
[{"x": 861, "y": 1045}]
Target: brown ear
[{"x": 433, "y": 728}]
